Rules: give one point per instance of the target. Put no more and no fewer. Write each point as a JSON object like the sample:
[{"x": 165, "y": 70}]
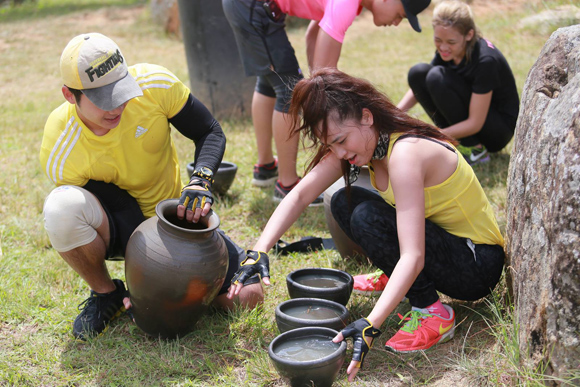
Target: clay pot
[
  {"x": 319, "y": 372},
  {"x": 345, "y": 246},
  {"x": 224, "y": 176},
  {"x": 334, "y": 285},
  {"x": 174, "y": 269},
  {"x": 310, "y": 312}
]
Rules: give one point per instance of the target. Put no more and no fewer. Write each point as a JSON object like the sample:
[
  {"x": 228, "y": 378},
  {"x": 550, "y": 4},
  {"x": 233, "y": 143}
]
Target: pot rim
[
  {"x": 311, "y": 301},
  {"x": 316, "y": 270},
  {"x": 227, "y": 165},
  {"x": 224, "y": 165},
  {"x": 211, "y": 220},
  {"x": 305, "y": 332}
]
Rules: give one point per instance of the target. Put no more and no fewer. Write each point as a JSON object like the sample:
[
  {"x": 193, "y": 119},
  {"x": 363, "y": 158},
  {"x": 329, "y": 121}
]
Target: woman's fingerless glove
[
  {"x": 248, "y": 270},
  {"x": 360, "y": 331}
]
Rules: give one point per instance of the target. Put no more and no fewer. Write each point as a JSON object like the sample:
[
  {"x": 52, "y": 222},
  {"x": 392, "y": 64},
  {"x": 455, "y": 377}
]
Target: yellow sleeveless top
[{"x": 458, "y": 204}]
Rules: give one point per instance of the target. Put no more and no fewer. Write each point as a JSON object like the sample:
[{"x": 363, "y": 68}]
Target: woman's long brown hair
[{"x": 328, "y": 91}]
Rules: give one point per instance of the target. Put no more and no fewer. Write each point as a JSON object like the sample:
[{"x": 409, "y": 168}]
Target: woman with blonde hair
[
  {"x": 468, "y": 89},
  {"x": 431, "y": 229}
]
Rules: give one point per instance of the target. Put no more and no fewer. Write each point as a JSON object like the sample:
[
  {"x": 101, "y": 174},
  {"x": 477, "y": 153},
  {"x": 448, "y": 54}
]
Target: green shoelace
[
  {"x": 414, "y": 321},
  {"x": 375, "y": 276}
]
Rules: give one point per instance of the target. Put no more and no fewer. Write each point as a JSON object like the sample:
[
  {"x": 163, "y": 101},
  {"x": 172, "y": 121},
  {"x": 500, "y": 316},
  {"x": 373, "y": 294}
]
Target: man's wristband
[
  {"x": 203, "y": 173},
  {"x": 199, "y": 182}
]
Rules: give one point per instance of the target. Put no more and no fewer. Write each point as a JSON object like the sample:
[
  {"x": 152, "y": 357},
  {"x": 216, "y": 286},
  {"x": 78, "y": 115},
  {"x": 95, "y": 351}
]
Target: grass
[{"x": 39, "y": 293}]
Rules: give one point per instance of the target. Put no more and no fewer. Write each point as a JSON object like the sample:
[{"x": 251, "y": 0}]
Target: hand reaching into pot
[{"x": 196, "y": 200}]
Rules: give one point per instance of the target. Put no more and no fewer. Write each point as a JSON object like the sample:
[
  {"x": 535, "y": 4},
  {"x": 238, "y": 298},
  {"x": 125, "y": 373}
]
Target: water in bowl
[
  {"x": 306, "y": 348},
  {"x": 319, "y": 281},
  {"x": 311, "y": 312}
]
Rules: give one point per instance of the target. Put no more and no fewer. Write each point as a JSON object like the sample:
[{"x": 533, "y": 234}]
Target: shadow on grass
[
  {"x": 31, "y": 10},
  {"x": 125, "y": 355}
]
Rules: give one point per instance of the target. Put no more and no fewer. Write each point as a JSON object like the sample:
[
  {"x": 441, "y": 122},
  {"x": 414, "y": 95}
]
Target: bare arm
[
  {"x": 288, "y": 211},
  {"x": 407, "y": 169},
  {"x": 292, "y": 206},
  {"x": 408, "y": 101},
  {"x": 311, "y": 35},
  {"x": 321, "y": 49},
  {"x": 478, "y": 109},
  {"x": 414, "y": 165}
]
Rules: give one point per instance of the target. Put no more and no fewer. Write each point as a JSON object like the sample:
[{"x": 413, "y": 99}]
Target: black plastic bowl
[
  {"x": 287, "y": 322},
  {"x": 340, "y": 293},
  {"x": 320, "y": 372},
  {"x": 224, "y": 177}
]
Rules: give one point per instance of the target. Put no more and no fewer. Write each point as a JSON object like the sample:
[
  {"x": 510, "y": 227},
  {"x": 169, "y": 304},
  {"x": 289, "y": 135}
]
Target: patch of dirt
[
  {"x": 16, "y": 333},
  {"x": 123, "y": 16},
  {"x": 93, "y": 20}
]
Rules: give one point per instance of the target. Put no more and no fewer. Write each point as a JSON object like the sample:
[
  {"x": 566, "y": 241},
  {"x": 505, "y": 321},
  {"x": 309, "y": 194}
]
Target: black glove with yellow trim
[
  {"x": 196, "y": 194},
  {"x": 247, "y": 270},
  {"x": 360, "y": 330}
]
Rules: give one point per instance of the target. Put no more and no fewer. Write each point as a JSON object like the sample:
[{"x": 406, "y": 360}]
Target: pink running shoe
[
  {"x": 371, "y": 284},
  {"x": 422, "y": 331}
]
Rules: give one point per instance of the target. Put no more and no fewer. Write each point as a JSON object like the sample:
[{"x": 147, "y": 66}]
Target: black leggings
[
  {"x": 451, "y": 266},
  {"x": 445, "y": 96}
]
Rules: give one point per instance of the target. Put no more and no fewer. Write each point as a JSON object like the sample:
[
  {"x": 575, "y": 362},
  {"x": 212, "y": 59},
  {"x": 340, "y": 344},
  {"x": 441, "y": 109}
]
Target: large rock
[{"x": 543, "y": 229}]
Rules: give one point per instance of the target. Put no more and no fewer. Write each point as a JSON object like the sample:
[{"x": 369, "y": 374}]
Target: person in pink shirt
[{"x": 266, "y": 52}]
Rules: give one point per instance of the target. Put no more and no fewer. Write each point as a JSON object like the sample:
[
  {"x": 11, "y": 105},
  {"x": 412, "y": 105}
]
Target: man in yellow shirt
[{"x": 109, "y": 151}]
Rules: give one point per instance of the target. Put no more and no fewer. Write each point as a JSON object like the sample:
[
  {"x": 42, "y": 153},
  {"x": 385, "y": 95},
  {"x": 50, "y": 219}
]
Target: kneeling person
[{"x": 109, "y": 151}]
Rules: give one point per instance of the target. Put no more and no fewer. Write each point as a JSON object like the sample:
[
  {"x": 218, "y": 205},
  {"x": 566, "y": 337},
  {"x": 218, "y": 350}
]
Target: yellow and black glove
[
  {"x": 198, "y": 191},
  {"x": 360, "y": 331},
  {"x": 248, "y": 270}
]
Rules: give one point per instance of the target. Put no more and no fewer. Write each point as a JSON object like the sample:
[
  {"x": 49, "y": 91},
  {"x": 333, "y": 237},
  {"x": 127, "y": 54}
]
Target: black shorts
[
  {"x": 278, "y": 86},
  {"x": 237, "y": 256},
  {"x": 262, "y": 43}
]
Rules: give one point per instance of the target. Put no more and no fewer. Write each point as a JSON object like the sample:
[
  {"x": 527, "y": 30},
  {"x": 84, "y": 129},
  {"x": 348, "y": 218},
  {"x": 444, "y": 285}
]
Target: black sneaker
[
  {"x": 478, "y": 156},
  {"x": 98, "y": 311},
  {"x": 265, "y": 174},
  {"x": 280, "y": 193},
  {"x": 474, "y": 155}
]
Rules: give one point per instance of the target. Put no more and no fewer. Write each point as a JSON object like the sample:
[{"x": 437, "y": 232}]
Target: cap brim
[
  {"x": 412, "y": 17},
  {"x": 414, "y": 22},
  {"x": 112, "y": 96}
]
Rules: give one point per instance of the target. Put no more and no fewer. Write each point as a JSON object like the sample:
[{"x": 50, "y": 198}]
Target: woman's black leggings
[
  {"x": 451, "y": 265},
  {"x": 445, "y": 96}
]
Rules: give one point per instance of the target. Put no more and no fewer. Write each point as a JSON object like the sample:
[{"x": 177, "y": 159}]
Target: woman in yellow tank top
[{"x": 431, "y": 229}]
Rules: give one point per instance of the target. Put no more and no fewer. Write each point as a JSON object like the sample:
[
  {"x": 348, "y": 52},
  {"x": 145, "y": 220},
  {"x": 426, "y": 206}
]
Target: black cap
[{"x": 412, "y": 9}]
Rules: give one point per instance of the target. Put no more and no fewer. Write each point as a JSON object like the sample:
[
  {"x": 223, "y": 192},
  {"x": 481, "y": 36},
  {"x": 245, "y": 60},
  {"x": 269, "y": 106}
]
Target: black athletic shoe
[
  {"x": 280, "y": 193},
  {"x": 474, "y": 155},
  {"x": 265, "y": 174},
  {"x": 478, "y": 156},
  {"x": 98, "y": 311}
]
